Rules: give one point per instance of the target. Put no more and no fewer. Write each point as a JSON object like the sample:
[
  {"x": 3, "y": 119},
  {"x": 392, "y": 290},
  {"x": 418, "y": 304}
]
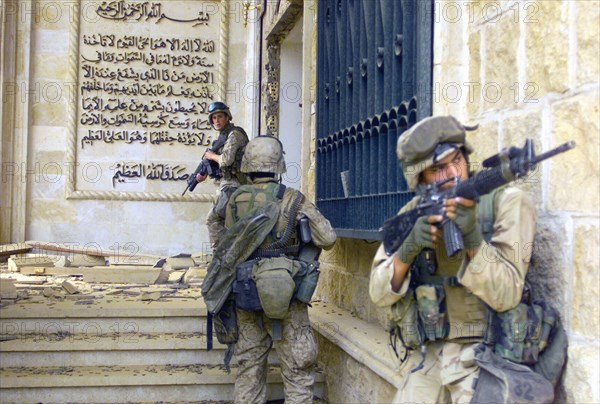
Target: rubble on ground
[{"x": 36, "y": 270}]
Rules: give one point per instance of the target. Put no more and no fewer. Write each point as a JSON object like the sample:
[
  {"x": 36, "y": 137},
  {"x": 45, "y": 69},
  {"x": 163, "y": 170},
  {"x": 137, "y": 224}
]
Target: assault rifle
[
  {"x": 502, "y": 168},
  {"x": 206, "y": 166}
]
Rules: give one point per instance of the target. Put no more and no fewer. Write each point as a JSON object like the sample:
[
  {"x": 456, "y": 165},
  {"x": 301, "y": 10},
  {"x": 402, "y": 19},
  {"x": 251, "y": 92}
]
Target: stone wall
[
  {"x": 521, "y": 69},
  {"x": 43, "y": 91},
  {"x": 530, "y": 69}
]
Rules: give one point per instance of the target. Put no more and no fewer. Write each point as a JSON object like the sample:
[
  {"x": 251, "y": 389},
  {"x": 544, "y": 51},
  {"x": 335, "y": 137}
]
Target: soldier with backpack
[
  {"x": 466, "y": 322},
  {"x": 275, "y": 283},
  {"x": 231, "y": 140}
]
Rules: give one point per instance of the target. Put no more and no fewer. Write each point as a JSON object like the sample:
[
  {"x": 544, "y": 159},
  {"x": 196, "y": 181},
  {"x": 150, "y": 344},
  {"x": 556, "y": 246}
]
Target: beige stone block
[
  {"x": 582, "y": 373},
  {"x": 55, "y": 211},
  {"x": 15, "y": 264},
  {"x": 136, "y": 274},
  {"x": 586, "y": 284},
  {"x": 52, "y": 67},
  {"x": 474, "y": 97},
  {"x": 51, "y": 41},
  {"x": 576, "y": 172},
  {"x": 547, "y": 49},
  {"x": 485, "y": 142},
  {"x": 69, "y": 287},
  {"x": 588, "y": 46},
  {"x": 47, "y": 113},
  {"x": 53, "y": 15},
  {"x": 501, "y": 67},
  {"x": 8, "y": 289},
  {"x": 194, "y": 275},
  {"x": 517, "y": 128}
]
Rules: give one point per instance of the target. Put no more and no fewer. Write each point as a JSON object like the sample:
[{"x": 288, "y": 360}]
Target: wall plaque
[{"x": 145, "y": 74}]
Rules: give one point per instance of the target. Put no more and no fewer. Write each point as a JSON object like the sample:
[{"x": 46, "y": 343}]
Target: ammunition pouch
[
  {"x": 275, "y": 284},
  {"x": 404, "y": 322},
  {"x": 522, "y": 333},
  {"x": 244, "y": 287},
  {"x": 432, "y": 312}
]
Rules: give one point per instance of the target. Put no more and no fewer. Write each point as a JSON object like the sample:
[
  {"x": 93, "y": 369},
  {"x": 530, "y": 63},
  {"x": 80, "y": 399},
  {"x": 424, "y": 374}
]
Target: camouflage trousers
[
  {"x": 297, "y": 353},
  {"x": 448, "y": 375},
  {"x": 215, "y": 221}
]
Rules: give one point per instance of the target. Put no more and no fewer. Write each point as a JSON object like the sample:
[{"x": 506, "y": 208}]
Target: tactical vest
[
  {"x": 447, "y": 309},
  {"x": 283, "y": 238},
  {"x": 233, "y": 172}
]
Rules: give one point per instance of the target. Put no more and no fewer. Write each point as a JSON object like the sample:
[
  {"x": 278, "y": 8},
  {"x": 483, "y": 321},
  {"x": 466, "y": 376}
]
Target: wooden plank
[{"x": 15, "y": 248}]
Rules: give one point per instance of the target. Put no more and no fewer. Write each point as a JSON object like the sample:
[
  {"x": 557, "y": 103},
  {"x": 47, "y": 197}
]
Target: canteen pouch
[
  {"x": 308, "y": 282},
  {"x": 432, "y": 312},
  {"x": 274, "y": 279},
  {"x": 244, "y": 288}
]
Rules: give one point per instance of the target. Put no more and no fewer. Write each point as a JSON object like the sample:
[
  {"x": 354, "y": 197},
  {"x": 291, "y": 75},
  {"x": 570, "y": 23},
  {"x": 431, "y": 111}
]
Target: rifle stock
[{"x": 501, "y": 169}]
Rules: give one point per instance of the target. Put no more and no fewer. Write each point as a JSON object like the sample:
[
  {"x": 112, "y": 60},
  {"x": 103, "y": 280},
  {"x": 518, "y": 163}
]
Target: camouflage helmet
[
  {"x": 263, "y": 154},
  {"x": 215, "y": 107},
  {"x": 429, "y": 141}
]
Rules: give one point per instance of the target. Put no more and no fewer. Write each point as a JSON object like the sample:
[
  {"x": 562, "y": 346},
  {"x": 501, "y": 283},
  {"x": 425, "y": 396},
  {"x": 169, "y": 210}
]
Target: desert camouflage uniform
[
  {"x": 495, "y": 275},
  {"x": 231, "y": 158},
  {"x": 297, "y": 349}
]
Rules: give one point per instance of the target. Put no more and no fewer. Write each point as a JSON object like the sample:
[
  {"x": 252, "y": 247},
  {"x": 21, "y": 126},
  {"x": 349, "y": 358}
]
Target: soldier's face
[
  {"x": 220, "y": 120},
  {"x": 451, "y": 166}
]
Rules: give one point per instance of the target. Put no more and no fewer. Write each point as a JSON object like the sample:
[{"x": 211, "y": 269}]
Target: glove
[
  {"x": 466, "y": 221},
  {"x": 418, "y": 239}
]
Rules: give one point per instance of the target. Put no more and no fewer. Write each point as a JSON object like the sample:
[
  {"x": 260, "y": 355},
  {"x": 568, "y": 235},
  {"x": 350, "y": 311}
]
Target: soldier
[
  {"x": 453, "y": 290},
  {"x": 283, "y": 273},
  {"x": 229, "y": 158}
]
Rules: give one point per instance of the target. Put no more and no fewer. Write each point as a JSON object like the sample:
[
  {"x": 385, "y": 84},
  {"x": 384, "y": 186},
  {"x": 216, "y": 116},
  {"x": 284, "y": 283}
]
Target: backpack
[{"x": 531, "y": 333}]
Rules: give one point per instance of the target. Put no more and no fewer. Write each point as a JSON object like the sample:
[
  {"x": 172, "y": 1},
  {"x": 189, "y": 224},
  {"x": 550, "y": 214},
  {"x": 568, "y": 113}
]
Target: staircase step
[
  {"x": 137, "y": 349},
  {"x": 109, "y": 384}
]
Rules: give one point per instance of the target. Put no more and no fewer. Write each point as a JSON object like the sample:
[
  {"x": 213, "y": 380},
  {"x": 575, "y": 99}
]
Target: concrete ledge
[{"x": 365, "y": 342}]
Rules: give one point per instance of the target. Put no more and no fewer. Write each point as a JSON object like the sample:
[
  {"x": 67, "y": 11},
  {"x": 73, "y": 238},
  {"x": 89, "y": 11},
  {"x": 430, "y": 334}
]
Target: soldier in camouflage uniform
[
  {"x": 491, "y": 274},
  {"x": 263, "y": 161},
  {"x": 229, "y": 158}
]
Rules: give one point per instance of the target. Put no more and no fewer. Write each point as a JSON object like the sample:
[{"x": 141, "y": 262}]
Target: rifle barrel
[{"x": 550, "y": 153}]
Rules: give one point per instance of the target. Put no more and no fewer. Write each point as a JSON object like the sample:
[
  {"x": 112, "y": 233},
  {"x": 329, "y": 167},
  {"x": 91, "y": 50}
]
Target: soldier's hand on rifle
[
  {"x": 200, "y": 177},
  {"x": 424, "y": 234},
  {"x": 464, "y": 213},
  {"x": 210, "y": 155}
]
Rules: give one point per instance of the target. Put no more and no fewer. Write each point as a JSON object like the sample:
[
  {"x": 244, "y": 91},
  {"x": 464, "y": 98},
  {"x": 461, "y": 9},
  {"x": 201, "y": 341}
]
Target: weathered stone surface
[
  {"x": 474, "y": 97},
  {"x": 547, "y": 67},
  {"x": 14, "y": 264},
  {"x": 550, "y": 270},
  {"x": 347, "y": 380},
  {"x": 577, "y": 172},
  {"x": 582, "y": 373},
  {"x": 194, "y": 275},
  {"x": 7, "y": 289},
  {"x": 484, "y": 141},
  {"x": 586, "y": 282},
  {"x": 501, "y": 67},
  {"x": 588, "y": 46},
  {"x": 517, "y": 128},
  {"x": 69, "y": 287}
]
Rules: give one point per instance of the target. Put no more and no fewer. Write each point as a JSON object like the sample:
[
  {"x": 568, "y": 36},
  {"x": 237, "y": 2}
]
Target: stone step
[
  {"x": 111, "y": 384},
  {"x": 106, "y": 350}
]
